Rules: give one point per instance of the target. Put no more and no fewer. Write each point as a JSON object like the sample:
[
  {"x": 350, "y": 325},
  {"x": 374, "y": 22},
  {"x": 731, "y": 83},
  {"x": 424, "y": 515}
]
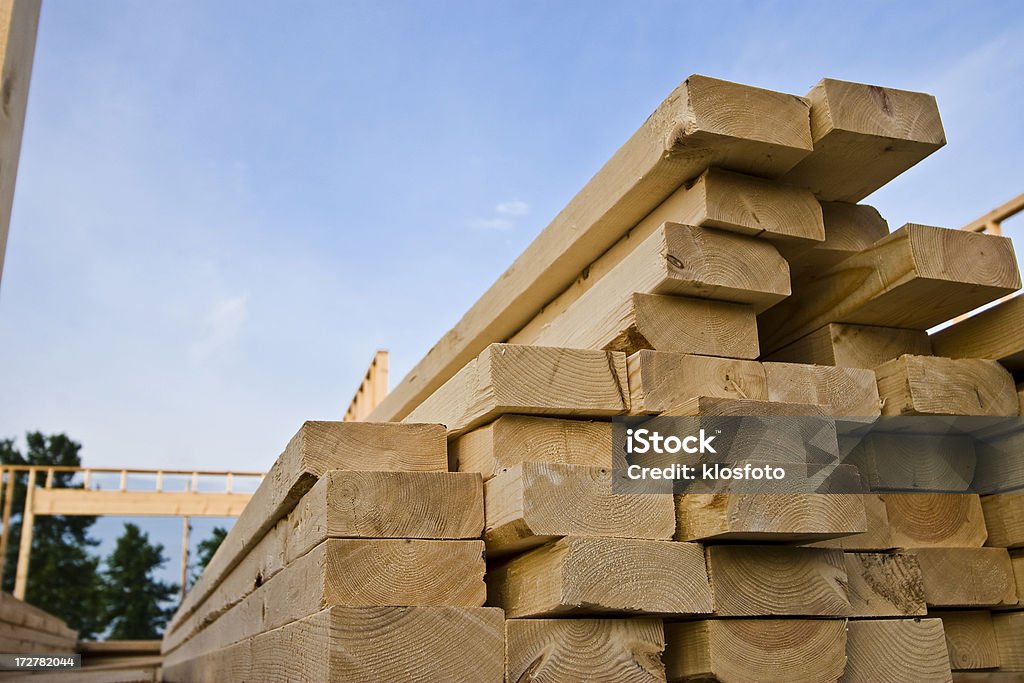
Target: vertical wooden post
[
  {"x": 86, "y": 479},
  {"x": 49, "y": 477},
  {"x": 186, "y": 527},
  {"x": 28, "y": 518},
  {"x": 19, "y": 21},
  {"x": 8, "y": 502},
  {"x": 160, "y": 481},
  {"x": 124, "y": 480}
]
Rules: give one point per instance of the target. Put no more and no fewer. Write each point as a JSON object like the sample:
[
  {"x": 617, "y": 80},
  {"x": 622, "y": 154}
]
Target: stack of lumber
[
  {"x": 718, "y": 265},
  {"x": 25, "y": 629}
]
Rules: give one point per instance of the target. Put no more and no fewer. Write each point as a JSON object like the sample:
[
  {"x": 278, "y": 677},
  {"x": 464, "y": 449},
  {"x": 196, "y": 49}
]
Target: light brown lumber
[
  {"x": 849, "y": 392},
  {"x": 705, "y": 122},
  {"x": 987, "y": 677},
  {"x": 966, "y": 577},
  {"x": 996, "y": 333},
  {"x": 1017, "y": 561},
  {"x": 864, "y": 136},
  {"x": 896, "y": 650},
  {"x": 316, "y": 448},
  {"x": 24, "y": 633},
  {"x": 1009, "y": 629},
  {"x": 512, "y": 439},
  {"x": 936, "y": 520},
  {"x": 876, "y": 536},
  {"x": 1000, "y": 463},
  {"x": 756, "y": 581},
  {"x": 743, "y": 650},
  {"x": 927, "y": 385},
  {"x": 926, "y": 462},
  {"x": 885, "y": 585},
  {"x": 914, "y": 278},
  {"x": 637, "y": 321},
  {"x": 359, "y": 644},
  {"x": 659, "y": 380},
  {"x": 533, "y": 503},
  {"x": 19, "y": 23},
  {"x": 768, "y": 517},
  {"x": 577, "y": 575},
  {"x": 1004, "y": 519},
  {"x": 714, "y": 406},
  {"x": 854, "y": 346},
  {"x": 350, "y": 573},
  {"x": 142, "y": 674},
  {"x": 532, "y": 380},
  {"x": 748, "y": 207},
  {"x": 970, "y": 639},
  {"x": 849, "y": 228},
  {"x": 19, "y": 613},
  {"x": 550, "y": 650}
]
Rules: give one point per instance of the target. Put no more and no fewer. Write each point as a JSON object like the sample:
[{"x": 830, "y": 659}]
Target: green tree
[
  {"x": 205, "y": 550},
  {"x": 136, "y": 602},
  {"x": 63, "y": 578}
]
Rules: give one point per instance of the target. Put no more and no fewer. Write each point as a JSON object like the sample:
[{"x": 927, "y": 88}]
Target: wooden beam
[
  {"x": 877, "y": 535},
  {"x": 790, "y": 517},
  {"x": 864, "y": 136},
  {"x": 627, "y": 650},
  {"x": 884, "y": 585},
  {"x": 929, "y": 385},
  {"x": 530, "y": 380},
  {"x": 6, "y": 530},
  {"x": 578, "y": 575},
  {"x": 138, "y": 503},
  {"x": 1009, "y": 630},
  {"x": 19, "y": 23},
  {"x": 854, "y": 346},
  {"x": 769, "y": 581},
  {"x": 1000, "y": 466},
  {"x": 659, "y": 380},
  {"x": 970, "y": 639},
  {"x": 925, "y": 462},
  {"x": 966, "y": 577},
  {"x": 25, "y": 547},
  {"x": 745, "y": 649},
  {"x": 915, "y": 278},
  {"x": 919, "y": 520},
  {"x": 362, "y": 644},
  {"x": 512, "y": 439},
  {"x": 992, "y": 220},
  {"x": 533, "y": 503},
  {"x": 315, "y": 449},
  {"x": 896, "y": 650},
  {"x": 996, "y": 333},
  {"x": 372, "y": 389},
  {"x": 848, "y": 392},
  {"x": 1004, "y": 519},
  {"x": 849, "y": 229},
  {"x": 703, "y": 123}
]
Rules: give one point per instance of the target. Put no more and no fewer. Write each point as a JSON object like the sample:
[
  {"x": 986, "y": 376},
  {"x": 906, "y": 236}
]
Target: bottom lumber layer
[
  {"x": 625, "y": 650},
  {"x": 882, "y": 650},
  {"x": 796, "y": 650},
  {"x": 970, "y": 639},
  {"x": 363, "y": 644}
]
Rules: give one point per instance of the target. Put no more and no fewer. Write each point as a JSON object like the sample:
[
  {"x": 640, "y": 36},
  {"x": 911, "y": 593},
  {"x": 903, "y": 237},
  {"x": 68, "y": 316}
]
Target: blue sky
[{"x": 224, "y": 208}]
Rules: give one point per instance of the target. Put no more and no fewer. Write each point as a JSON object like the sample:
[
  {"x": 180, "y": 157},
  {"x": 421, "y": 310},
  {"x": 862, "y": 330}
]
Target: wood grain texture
[
  {"x": 1004, "y": 519},
  {"x": 912, "y": 462},
  {"x": 743, "y": 650},
  {"x": 849, "y": 392},
  {"x": 316, "y": 448},
  {"x": 755, "y": 581},
  {"x": 970, "y": 639},
  {"x": 533, "y": 503},
  {"x": 854, "y": 346},
  {"x": 704, "y": 122},
  {"x": 849, "y": 228},
  {"x": 938, "y": 520},
  {"x": 926, "y": 385},
  {"x": 997, "y": 333},
  {"x": 877, "y": 535},
  {"x": 914, "y": 278},
  {"x": 966, "y": 577},
  {"x": 715, "y": 406},
  {"x": 896, "y": 650},
  {"x": 577, "y": 575},
  {"x": 1000, "y": 465},
  {"x": 1009, "y": 630},
  {"x": 512, "y": 439},
  {"x": 533, "y": 380},
  {"x": 885, "y": 585},
  {"x": 768, "y": 517},
  {"x": 864, "y": 136},
  {"x": 552, "y": 650},
  {"x": 363, "y": 644},
  {"x": 659, "y": 380}
]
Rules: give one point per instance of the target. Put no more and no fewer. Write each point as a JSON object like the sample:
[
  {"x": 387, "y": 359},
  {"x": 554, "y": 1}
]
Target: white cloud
[
  {"x": 221, "y": 324},
  {"x": 505, "y": 215},
  {"x": 514, "y": 208}
]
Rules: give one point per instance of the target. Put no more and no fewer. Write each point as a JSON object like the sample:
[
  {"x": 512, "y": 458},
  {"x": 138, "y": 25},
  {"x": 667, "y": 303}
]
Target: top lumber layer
[
  {"x": 314, "y": 450},
  {"x": 704, "y": 122},
  {"x": 996, "y": 333},
  {"x": 864, "y": 136},
  {"x": 916, "y": 278},
  {"x": 531, "y": 380}
]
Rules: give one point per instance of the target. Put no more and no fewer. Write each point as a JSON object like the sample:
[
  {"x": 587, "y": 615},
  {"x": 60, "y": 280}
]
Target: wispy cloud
[
  {"x": 504, "y": 218},
  {"x": 221, "y": 324}
]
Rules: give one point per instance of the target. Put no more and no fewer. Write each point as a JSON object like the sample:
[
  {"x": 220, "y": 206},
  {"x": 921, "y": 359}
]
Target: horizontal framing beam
[{"x": 137, "y": 503}]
